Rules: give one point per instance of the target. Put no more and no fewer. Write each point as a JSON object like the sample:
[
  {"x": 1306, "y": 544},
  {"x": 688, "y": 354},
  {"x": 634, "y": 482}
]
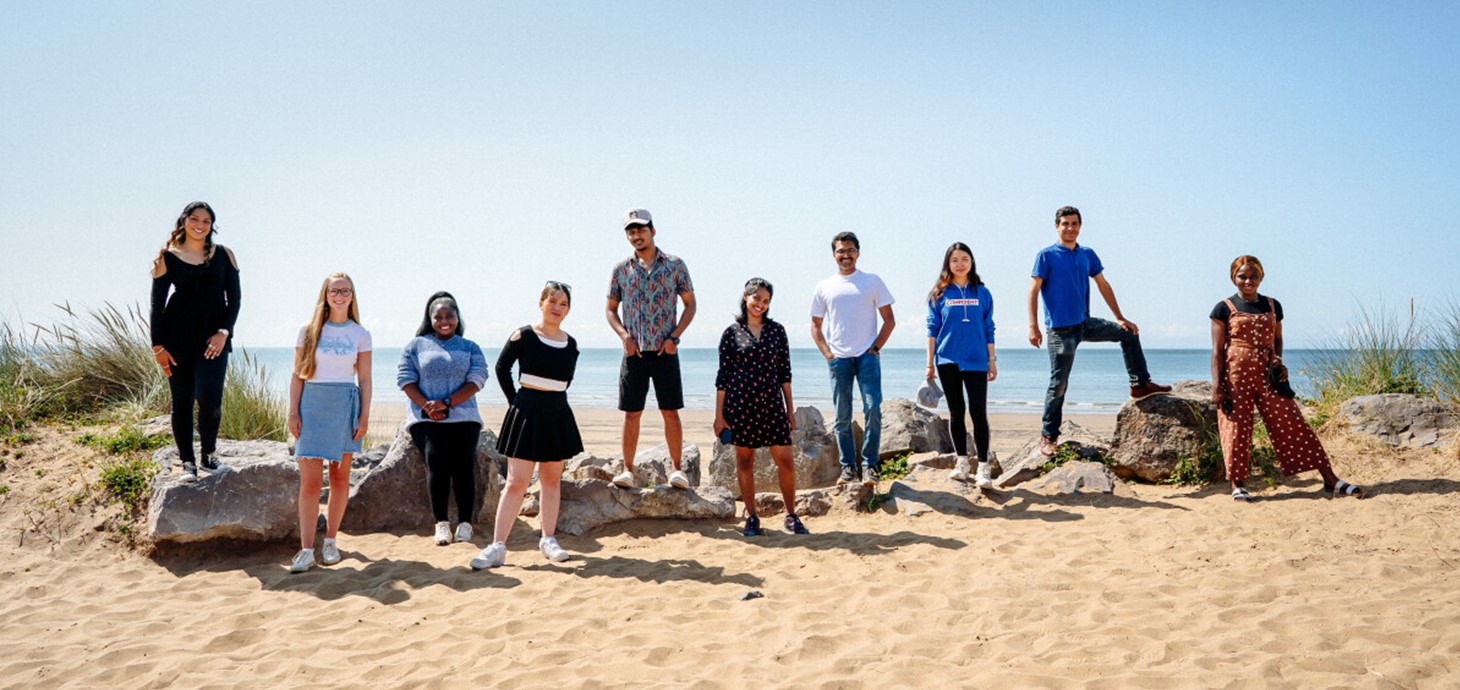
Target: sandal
[
  {"x": 1240, "y": 494},
  {"x": 1344, "y": 488}
]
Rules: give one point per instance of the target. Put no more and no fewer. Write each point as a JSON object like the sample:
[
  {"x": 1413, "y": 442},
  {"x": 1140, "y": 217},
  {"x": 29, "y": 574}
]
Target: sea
[{"x": 1098, "y": 385}]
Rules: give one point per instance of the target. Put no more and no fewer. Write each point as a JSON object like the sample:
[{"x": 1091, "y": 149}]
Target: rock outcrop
[
  {"x": 391, "y": 494},
  {"x": 254, "y": 496},
  {"x": 813, "y": 455},
  {"x": 1025, "y": 463},
  {"x": 1077, "y": 477},
  {"x": 1152, "y": 435},
  {"x": 591, "y": 503},
  {"x": 1401, "y": 421}
]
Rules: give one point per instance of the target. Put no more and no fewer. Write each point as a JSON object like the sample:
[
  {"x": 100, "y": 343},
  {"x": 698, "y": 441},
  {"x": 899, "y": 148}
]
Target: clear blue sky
[{"x": 486, "y": 147}]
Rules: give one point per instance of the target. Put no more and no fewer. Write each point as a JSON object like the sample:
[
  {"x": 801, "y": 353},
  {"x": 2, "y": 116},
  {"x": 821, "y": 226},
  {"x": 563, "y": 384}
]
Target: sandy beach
[{"x": 1151, "y": 587}]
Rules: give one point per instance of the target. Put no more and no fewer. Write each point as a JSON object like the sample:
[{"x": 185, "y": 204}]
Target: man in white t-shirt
[{"x": 844, "y": 311}]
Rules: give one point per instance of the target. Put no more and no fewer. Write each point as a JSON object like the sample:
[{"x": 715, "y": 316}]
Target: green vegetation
[
  {"x": 128, "y": 439},
  {"x": 891, "y": 469},
  {"x": 1379, "y": 354},
  {"x": 1068, "y": 452},
  {"x": 1443, "y": 347},
  {"x": 129, "y": 481},
  {"x": 99, "y": 364}
]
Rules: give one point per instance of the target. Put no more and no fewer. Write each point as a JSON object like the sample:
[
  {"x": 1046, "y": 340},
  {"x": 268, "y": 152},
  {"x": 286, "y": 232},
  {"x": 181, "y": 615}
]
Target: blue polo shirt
[{"x": 1066, "y": 288}]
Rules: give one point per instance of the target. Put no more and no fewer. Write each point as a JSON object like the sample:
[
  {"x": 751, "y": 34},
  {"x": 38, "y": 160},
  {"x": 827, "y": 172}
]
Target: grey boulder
[
  {"x": 1153, "y": 435},
  {"x": 813, "y": 456},
  {"x": 591, "y": 503},
  {"x": 1077, "y": 477},
  {"x": 1025, "y": 464},
  {"x": 391, "y": 494},
  {"x": 254, "y": 496},
  {"x": 1400, "y": 420}
]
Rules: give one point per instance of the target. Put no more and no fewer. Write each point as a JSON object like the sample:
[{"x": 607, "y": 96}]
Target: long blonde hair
[{"x": 316, "y": 322}]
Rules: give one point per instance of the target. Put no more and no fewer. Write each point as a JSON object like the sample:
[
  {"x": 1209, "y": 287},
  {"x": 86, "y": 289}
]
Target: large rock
[
  {"x": 946, "y": 461},
  {"x": 391, "y": 495},
  {"x": 651, "y": 467},
  {"x": 906, "y": 427},
  {"x": 255, "y": 496},
  {"x": 1025, "y": 463},
  {"x": 591, "y": 503},
  {"x": 1077, "y": 477},
  {"x": 1400, "y": 420},
  {"x": 813, "y": 455},
  {"x": 1152, "y": 435},
  {"x": 812, "y": 503}
]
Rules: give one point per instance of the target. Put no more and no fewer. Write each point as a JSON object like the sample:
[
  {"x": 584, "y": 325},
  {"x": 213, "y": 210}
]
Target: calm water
[{"x": 1097, "y": 386}]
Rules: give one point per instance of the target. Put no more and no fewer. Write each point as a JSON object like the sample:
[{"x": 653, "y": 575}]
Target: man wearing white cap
[{"x": 650, "y": 285}]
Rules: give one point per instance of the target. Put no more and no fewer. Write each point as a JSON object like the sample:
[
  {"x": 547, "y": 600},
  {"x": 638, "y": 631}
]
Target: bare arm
[
  {"x": 1219, "y": 362},
  {"x": 669, "y": 347},
  {"x": 820, "y": 339},
  {"x": 719, "y": 424},
  {"x": 1108, "y": 294},
  {"x": 1036, "y": 336},
  {"x": 631, "y": 348},
  {"x": 296, "y": 391},
  {"x": 932, "y": 369},
  {"x": 889, "y": 322},
  {"x": 362, "y": 372},
  {"x": 790, "y": 406}
]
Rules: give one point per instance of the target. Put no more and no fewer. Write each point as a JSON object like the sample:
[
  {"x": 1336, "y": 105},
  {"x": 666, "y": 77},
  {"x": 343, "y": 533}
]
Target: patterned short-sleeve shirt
[{"x": 650, "y": 296}]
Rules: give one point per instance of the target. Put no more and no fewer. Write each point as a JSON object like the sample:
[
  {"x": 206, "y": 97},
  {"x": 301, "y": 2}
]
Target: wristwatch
[
  {"x": 674, "y": 339},
  {"x": 874, "y": 350}
]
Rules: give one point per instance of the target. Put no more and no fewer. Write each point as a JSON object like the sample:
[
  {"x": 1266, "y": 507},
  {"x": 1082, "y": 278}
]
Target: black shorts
[{"x": 635, "y": 373}]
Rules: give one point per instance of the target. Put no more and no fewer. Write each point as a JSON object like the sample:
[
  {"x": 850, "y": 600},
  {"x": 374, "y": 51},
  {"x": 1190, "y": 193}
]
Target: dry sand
[{"x": 1152, "y": 587}]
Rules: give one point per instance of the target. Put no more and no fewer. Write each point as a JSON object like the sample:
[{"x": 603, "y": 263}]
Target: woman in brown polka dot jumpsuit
[{"x": 1247, "y": 337}]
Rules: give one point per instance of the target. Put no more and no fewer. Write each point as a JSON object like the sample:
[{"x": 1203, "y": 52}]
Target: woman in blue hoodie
[{"x": 961, "y": 353}]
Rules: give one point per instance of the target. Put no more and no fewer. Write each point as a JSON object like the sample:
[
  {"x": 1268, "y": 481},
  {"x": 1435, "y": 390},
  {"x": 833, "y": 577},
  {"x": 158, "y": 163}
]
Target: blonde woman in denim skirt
[{"x": 328, "y": 411}]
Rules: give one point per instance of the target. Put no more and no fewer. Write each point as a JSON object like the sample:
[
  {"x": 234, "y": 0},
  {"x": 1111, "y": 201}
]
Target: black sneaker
[
  {"x": 207, "y": 462},
  {"x": 752, "y": 527},
  {"x": 794, "y": 526},
  {"x": 189, "y": 472},
  {"x": 848, "y": 476},
  {"x": 869, "y": 475}
]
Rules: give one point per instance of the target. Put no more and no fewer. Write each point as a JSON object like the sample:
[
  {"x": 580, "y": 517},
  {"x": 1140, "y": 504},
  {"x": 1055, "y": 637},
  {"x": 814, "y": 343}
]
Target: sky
[{"x": 484, "y": 148}]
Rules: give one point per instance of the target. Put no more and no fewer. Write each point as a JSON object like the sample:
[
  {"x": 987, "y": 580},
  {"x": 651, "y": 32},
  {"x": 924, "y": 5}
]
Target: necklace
[{"x": 964, "y": 294}]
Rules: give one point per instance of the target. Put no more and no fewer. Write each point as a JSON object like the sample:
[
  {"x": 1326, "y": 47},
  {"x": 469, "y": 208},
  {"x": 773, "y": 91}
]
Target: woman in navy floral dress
[{"x": 753, "y": 400}]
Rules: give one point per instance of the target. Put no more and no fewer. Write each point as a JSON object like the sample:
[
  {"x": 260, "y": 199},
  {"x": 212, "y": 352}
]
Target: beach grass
[
  {"x": 1382, "y": 352},
  {"x": 1443, "y": 353},
  {"x": 98, "y": 362}
]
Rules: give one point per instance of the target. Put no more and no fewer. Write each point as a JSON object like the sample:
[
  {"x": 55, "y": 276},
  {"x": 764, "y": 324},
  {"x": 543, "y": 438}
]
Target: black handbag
[{"x": 1277, "y": 375}]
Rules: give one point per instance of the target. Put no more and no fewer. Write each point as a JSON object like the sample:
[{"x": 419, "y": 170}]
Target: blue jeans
[
  {"x": 1062, "y": 343},
  {"x": 867, "y": 370}
]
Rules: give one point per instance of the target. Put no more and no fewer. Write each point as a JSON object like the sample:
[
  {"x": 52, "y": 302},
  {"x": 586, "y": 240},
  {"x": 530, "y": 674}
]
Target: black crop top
[
  {"x": 1263, "y": 305},
  {"x": 534, "y": 357},
  {"x": 205, "y": 298}
]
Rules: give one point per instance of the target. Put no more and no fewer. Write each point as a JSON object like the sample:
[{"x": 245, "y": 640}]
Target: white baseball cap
[{"x": 637, "y": 216}]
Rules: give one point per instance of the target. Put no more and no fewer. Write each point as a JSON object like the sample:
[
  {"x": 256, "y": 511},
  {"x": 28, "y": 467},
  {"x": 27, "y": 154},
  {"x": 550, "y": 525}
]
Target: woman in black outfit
[
  {"x": 539, "y": 431},
  {"x": 192, "y": 330}
]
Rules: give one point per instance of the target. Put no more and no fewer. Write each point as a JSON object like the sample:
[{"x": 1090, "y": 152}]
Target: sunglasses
[{"x": 559, "y": 286}]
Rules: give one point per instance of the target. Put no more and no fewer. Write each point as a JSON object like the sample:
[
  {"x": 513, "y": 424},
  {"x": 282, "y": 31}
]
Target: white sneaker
[
  {"x": 624, "y": 479},
  {"x": 679, "y": 480},
  {"x": 463, "y": 531},
  {"x": 960, "y": 469},
  {"x": 550, "y": 548},
  {"x": 490, "y": 557},
  {"x": 304, "y": 560},
  {"x": 443, "y": 533},
  {"x": 329, "y": 553},
  {"x": 983, "y": 479}
]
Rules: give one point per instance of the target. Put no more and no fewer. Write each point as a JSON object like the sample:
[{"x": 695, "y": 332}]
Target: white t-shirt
[
  {"x": 848, "y": 308},
  {"x": 340, "y": 344}
]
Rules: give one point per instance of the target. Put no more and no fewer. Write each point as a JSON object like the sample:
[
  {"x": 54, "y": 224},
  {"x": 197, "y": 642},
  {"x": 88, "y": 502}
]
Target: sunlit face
[
  {"x": 1247, "y": 280},
  {"x": 640, "y": 236},
  {"x": 845, "y": 253},
  {"x": 198, "y": 224},
  {"x": 443, "y": 321},
  {"x": 555, "y": 307},
  {"x": 340, "y": 293},
  {"x": 1068, "y": 228},
  {"x": 758, "y": 303},
  {"x": 960, "y": 263}
]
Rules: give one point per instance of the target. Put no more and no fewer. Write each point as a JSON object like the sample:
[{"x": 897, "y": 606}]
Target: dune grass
[
  {"x": 1382, "y": 352},
  {"x": 99, "y": 363},
  {"x": 1443, "y": 349}
]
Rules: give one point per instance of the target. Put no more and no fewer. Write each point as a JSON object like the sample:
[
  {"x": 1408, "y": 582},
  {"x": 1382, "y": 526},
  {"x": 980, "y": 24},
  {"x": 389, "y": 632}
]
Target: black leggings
[
  {"x": 954, "y": 382},
  {"x": 451, "y": 462},
  {"x": 197, "y": 379}
]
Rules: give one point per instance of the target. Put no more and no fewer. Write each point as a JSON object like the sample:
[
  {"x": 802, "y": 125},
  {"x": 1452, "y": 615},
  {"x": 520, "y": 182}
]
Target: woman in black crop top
[
  {"x": 539, "y": 431},
  {"x": 192, "y": 329}
]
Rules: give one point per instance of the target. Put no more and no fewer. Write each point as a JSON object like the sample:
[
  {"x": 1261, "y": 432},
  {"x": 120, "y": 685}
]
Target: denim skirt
[{"x": 329, "y": 414}]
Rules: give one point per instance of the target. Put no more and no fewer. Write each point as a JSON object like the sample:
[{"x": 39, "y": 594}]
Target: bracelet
[{"x": 157, "y": 349}]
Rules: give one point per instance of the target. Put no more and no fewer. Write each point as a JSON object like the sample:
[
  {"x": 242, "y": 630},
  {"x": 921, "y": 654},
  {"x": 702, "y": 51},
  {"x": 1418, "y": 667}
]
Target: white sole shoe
[
  {"x": 490, "y": 557},
  {"x": 679, "y": 480},
  {"x": 443, "y": 533},
  {"x": 624, "y": 479},
  {"x": 550, "y": 549},
  {"x": 959, "y": 472},
  {"x": 304, "y": 560},
  {"x": 463, "y": 531},
  {"x": 982, "y": 478},
  {"x": 329, "y": 554}
]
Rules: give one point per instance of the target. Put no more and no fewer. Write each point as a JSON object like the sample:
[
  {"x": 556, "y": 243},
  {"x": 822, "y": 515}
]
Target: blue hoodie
[{"x": 964, "y": 344}]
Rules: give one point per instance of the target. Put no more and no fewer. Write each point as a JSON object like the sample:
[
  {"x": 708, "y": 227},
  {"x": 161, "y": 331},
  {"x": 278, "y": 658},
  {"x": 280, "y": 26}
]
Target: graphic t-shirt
[{"x": 340, "y": 345}]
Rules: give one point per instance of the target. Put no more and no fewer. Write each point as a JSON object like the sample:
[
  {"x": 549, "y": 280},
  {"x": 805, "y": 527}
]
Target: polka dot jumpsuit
[
  {"x": 1249, "y": 352},
  {"x": 751, "y": 373}
]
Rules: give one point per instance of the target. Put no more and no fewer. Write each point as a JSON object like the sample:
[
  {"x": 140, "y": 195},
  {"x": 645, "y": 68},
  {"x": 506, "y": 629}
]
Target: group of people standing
[{"x": 196, "y": 296}]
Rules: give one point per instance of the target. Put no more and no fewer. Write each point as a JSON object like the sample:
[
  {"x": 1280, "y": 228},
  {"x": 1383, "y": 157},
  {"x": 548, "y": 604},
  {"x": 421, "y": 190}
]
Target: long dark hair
[
  {"x": 179, "y": 233},
  {"x": 945, "y": 277},
  {"x": 753, "y": 286},
  {"x": 442, "y": 298}
]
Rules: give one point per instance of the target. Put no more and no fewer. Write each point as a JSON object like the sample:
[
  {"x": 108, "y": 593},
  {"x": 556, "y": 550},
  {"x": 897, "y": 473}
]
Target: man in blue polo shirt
[{"x": 1062, "y": 274}]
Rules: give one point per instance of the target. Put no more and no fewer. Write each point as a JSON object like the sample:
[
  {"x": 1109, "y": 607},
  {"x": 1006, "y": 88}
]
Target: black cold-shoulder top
[
  {"x": 535, "y": 357},
  {"x": 205, "y": 298}
]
